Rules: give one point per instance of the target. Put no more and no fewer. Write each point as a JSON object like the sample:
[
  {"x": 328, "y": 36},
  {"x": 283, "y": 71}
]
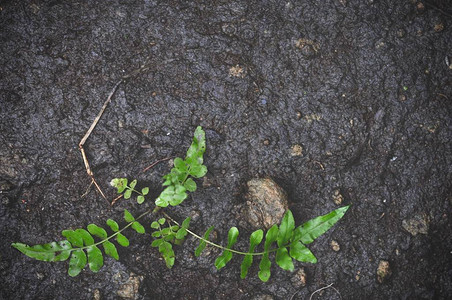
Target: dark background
[{"x": 367, "y": 96}]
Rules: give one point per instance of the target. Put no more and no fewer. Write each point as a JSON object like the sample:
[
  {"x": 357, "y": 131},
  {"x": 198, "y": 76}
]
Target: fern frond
[{"x": 81, "y": 247}]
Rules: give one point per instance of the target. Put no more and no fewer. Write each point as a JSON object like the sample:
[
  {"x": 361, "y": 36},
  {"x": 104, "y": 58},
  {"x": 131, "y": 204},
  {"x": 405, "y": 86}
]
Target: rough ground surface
[{"x": 362, "y": 87}]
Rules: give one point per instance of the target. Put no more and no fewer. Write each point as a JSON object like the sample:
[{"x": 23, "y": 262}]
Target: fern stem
[
  {"x": 219, "y": 246},
  {"x": 134, "y": 190},
  {"x": 225, "y": 248},
  {"x": 155, "y": 210}
]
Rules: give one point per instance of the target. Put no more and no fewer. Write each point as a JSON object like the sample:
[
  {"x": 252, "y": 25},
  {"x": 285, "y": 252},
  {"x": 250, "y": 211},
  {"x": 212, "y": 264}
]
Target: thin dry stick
[
  {"x": 442, "y": 95},
  {"x": 87, "y": 190},
  {"x": 87, "y": 134},
  {"x": 155, "y": 163},
  {"x": 142, "y": 68},
  {"x": 324, "y": 288},
  {"x": 116, "y": 199}
]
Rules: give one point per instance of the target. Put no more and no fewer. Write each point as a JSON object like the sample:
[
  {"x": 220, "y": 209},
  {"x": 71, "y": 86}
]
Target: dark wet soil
[{"x": 361, "y": 90}]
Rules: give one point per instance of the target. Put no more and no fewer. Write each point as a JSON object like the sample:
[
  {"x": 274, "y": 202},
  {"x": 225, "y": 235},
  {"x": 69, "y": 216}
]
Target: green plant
[
  {"x": 121, "y": 185},
  {"x": 81, "y": 247}
]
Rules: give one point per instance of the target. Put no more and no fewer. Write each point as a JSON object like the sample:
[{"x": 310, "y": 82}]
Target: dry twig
[
  {"x": 324, "y": 288},
  {"x": 116, "y": 199},
  {"x": 87, "y": 134},
  {"x": 96, "y": 120},
  {"x": 155, "y": 163}
]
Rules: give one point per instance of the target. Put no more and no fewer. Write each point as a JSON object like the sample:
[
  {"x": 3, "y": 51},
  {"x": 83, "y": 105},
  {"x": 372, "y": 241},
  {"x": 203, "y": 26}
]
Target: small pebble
[
  {"x": 299, "y": 278},
  {"x": 439, "y": 27},
  {"x": 297, "y": 150},
  {"x": 416, "y": 225},
  {"x": 335, "y": 246},
  {"x": 195, "y": 215},
  {"x": 237, "y": 71},
  {"x": 420, "y": 7},
  {"x": 383, "y": 271},
  {"x": 96, "y": 294},
  {"x": 337, "y": 197},
  {"x": 401, "y": 33},
  {"x": 206, "y": 182}
]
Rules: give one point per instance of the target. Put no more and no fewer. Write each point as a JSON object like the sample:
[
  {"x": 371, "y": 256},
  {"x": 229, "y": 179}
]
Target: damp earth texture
[{"x": 339, "y": 102}]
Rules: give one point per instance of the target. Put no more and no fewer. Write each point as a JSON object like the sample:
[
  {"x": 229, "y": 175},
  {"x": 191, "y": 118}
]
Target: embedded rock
[
  {"x": 416, "y": 225},
  {"x": 129, "y": 289},
  {"x": 266, "y": 203},
  {"x": 335, "y": 246},
  {"x": 299, "y": 278}
]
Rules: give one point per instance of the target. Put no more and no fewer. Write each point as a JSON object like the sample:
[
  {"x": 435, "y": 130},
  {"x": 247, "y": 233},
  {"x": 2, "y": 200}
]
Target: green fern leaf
[
  {"x": 198, "y": 146},
  {"x": 182, "y": 232},
  {"x": 190, "y": 185},
  {"x": 145, "y": 191},
  {"x": 180, "y": 165},
  {"x": 314, "y": 228},
  {"x": 224, "y": 258},
  {"x": 113, "y": 225},
  {"x": 301, "y": 253},
  {"x": 283, "y": 259},
  {"x": 157, "y": 242},
  {"x": 286, "y": 229},
  {"x": 55, "y": 251},
  {"x": 86, "y": 236},
  {"x": 202, "y": 243},
  {"x": 97, "y": 231},
  {"x": 119, "y": 183},
  {"x": 127, "y": 194},
  {"x": 166, "y": 250},
  {"x": 198, "y": 171},
  {"x": 95, "y": 258},
  {"x": 128, "y": 216},
  {"x": 77, "y": 262},
  {"x": 110, "y": 249},
  {"x": 265, "y": 264},
  {"x": 122, "y": 240},
  {"x": 133, "y": 184},
  {"x": 255, "y": 239},
  {"x": 73, "y": 237},
  {"x": 138, "y": 227}
]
